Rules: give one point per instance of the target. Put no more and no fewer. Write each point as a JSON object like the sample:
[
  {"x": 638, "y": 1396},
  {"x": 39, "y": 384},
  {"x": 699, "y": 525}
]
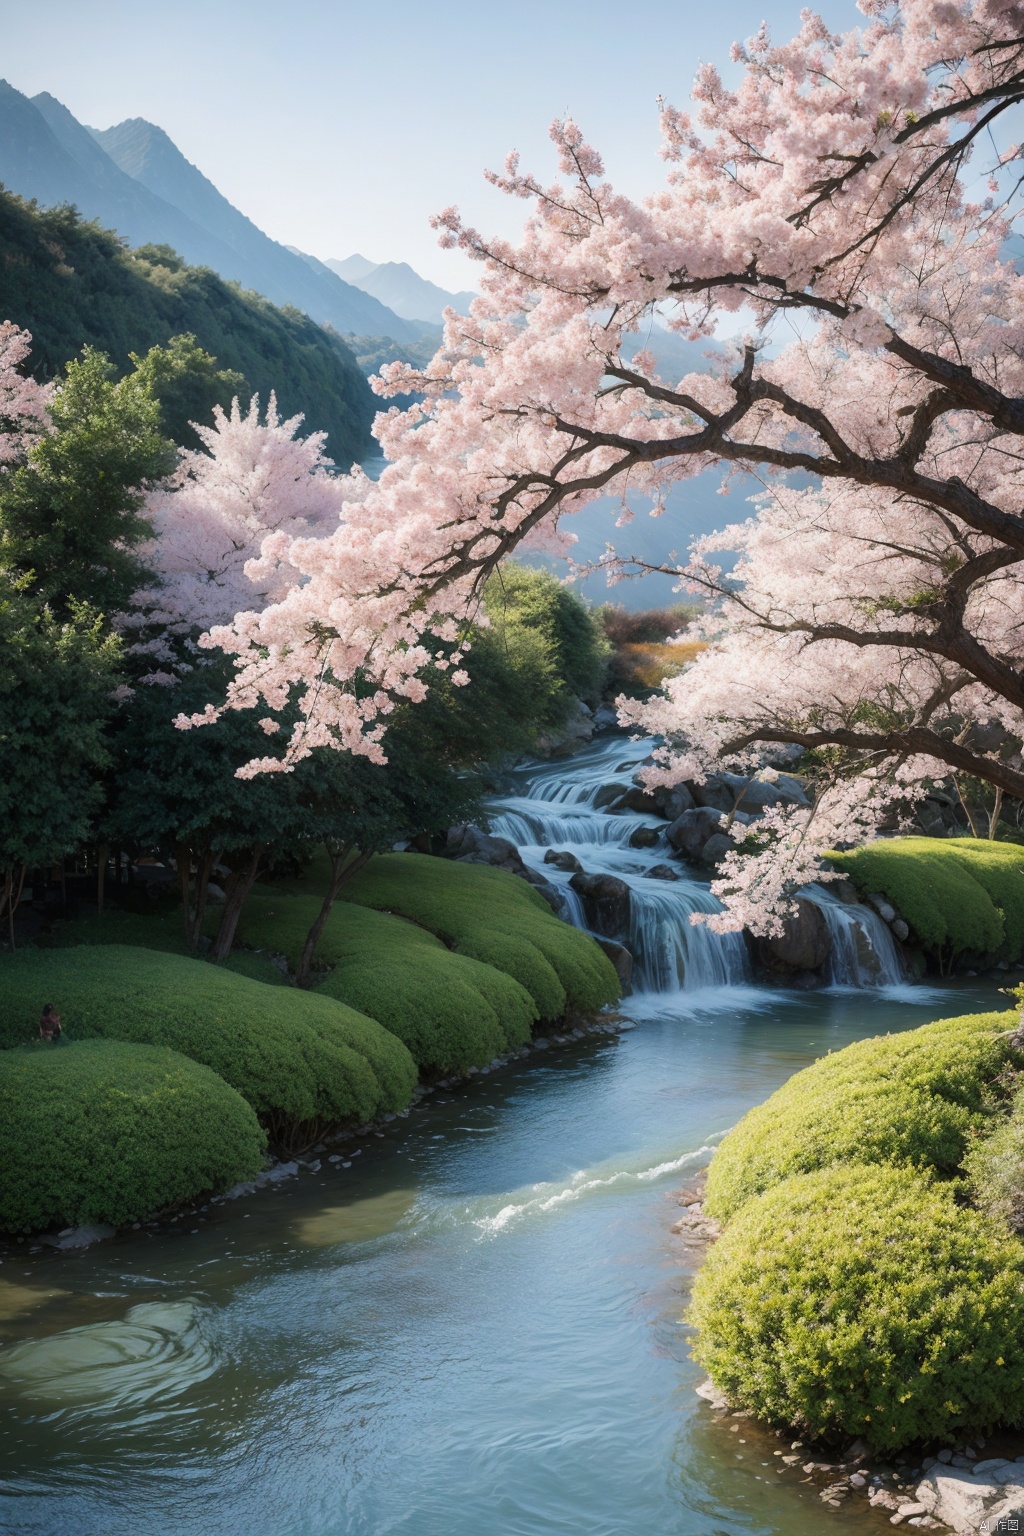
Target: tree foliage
[
  {"x": 875, "y": 613},
  {"x": 70, "y": 282}
]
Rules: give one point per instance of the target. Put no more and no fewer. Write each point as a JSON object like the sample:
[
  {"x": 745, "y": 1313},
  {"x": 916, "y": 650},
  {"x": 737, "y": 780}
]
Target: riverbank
[
  {"x": 940, "y": 1487},
  {"x": 487, "y": 1300},
  {"x": 865, "y": 1285}
]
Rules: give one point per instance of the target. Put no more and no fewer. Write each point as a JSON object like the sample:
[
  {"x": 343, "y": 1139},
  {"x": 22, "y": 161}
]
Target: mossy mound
[
  {"x": 863, "y": 1301},
  {"x": 959, "y": 895},
  {"x": 911, "y": 1098},
  {"x": 495, "y": 917},
  {"x": 108, "y": 1132},
  {"x": 451, "y": 1011},
  {"x": 995, "y": 1168},
  {"x": 160, "y": 930},
  {"x": 304, "y": 1063}
]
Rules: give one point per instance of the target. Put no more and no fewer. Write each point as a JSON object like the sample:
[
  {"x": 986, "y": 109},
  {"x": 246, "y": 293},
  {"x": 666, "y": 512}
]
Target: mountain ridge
[
  {"x": 47, "y": 155},
  {"x": 400, "y": 287}
]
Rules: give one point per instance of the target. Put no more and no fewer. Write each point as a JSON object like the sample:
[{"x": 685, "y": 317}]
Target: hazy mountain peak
[{"x": 402, "y": 289}]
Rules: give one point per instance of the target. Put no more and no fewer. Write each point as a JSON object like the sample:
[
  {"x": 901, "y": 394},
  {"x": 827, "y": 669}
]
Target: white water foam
[{"x": 543, "y": 1198}]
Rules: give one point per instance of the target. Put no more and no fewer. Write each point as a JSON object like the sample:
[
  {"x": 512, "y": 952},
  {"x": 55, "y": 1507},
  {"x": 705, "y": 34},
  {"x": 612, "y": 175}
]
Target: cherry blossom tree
[
  {"x": 834, "y": 203},
  {"x": 251, "y": 479},
  {"x": 23, "y": 403}
]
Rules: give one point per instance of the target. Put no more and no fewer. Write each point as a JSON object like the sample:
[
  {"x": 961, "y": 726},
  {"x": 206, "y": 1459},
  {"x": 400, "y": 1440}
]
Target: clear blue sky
[{"x": 339, "y": 126}]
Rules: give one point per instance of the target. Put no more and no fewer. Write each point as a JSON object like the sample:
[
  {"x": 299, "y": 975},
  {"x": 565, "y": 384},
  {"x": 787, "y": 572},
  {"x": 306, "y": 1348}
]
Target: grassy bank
[{"x": 427, "y": 969}]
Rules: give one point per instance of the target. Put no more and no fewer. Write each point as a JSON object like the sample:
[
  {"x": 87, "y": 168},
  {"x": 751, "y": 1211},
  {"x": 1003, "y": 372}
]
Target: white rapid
[{"x": 555, "y": 809}]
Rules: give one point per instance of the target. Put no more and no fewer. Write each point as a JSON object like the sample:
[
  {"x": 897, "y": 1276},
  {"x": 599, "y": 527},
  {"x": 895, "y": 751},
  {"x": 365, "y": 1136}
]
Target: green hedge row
[
  {"x": 959, "y": 895},
  {"x": 852, "y": 1292},
  {"x": 304, "y": 1063},
  {"x": 106, "y": 1132},
  {"x": 498, "y": 918},
  {"x": 452, "y": 1012}
]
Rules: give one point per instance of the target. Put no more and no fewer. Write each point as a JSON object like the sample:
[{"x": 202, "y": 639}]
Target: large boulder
[
  {"x": 606, "y": 903},
  {"x": 716, "y": 848},
  {"x": 608, "y": 794},
  {"x": 639, "y": 800},
  {"x": 644, "y": 837},
  {"x": 562, "y": 859},
  {"x": 575, "y": 733},
  {"x": 690, "y": 831},
  {"x": 551, "y": 894},
  {"x": 723, "y": 791},
  {"x": 804, "y": 945},
  {"x": 969, "y": 1502},
  {"x": 478, "y": 847},
  {"x": 672, "y": 802},
  {"x": 622, "y": 960}
]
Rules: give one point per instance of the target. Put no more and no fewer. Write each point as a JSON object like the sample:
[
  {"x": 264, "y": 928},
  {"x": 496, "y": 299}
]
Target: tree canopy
[{"x": 844, "y": 204}]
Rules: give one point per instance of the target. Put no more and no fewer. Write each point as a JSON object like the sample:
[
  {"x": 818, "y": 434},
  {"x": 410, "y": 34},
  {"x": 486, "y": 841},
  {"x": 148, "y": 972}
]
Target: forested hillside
[{"x": 73, "y": 284}]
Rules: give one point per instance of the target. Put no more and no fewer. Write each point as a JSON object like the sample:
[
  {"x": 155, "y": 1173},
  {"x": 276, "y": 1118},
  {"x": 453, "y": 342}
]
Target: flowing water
[
  {"x": 560, "y": 807},
  {"x": 473, "y": 1329}
]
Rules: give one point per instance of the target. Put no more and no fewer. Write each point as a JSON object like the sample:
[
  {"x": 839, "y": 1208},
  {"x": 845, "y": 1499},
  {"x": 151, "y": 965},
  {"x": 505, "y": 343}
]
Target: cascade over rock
[
  {"x": 606, "y": 903},
  {"x": 606, "y": 866}
]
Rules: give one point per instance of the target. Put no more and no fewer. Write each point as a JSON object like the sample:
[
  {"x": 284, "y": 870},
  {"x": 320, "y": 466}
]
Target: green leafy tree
[
  {"x": 70, "y": 515},
  {"x": 56, "y": 680},
  {"x": 356, "y": 808},
  {"x": 176, "y": 790},
  {"x": 187, "y": 382}
]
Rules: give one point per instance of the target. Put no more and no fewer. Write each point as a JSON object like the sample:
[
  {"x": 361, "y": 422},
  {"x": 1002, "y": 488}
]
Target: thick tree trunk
[
  {"x": 193, "y": 898},
  {"x": 341, "y": 872},
  {"x": 239, "y": 886}
]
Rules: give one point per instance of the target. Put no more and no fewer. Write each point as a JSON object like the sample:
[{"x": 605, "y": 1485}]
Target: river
[{"x": 471, "y": 1330}]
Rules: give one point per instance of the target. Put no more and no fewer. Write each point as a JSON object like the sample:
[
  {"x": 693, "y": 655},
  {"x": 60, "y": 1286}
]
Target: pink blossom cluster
[{"x": 24, "y": 404}]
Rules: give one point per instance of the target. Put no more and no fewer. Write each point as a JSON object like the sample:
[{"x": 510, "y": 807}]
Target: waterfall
[
  {"x": 555, "y": 809},
  {"x": 864, "y": 952},
  {"x": 553, "y": 806}
]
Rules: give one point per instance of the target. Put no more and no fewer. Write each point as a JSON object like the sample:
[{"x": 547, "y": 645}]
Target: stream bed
[{"x": 471, "y": 1330}]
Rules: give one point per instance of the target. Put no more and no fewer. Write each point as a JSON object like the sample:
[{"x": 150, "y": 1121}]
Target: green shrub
[
  {"x": 862, "y": 1301},
  {"x": 304, "y": 1063},
  {"x": 451, "y": 1011},
  {"x": 497, "y": 918},
  {"x": 107, "y": 1132},
  {"x": 995, "y": 1169},
  {"x": 909, "y": 1098},
  {"x": 161, "y": 929},
  {"x": 957, "y": 894}
]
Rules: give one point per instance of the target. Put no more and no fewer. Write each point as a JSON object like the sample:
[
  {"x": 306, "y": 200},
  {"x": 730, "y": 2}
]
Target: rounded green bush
[
  {"x": 863, "y": 1301},
  {"x": 909, "y": 1098},
  {"x": 959, "y": 894},
  {"x": 106, "y": 1132},
  {"x": 304, "y": 1063},
  {"x": 995, "y": 1169},
  {"x": 450, "y": 1011},
  {"x": 498, "y": 918}
]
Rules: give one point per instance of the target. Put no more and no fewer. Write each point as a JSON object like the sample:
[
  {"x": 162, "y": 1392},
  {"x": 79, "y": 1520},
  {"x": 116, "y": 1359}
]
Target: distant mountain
[
  {"x": 395, "y": 284},
  {"x": 145, "y": 153},
  {"x": 71, "y": 284},
  {"x": 134, "y": 180}
]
